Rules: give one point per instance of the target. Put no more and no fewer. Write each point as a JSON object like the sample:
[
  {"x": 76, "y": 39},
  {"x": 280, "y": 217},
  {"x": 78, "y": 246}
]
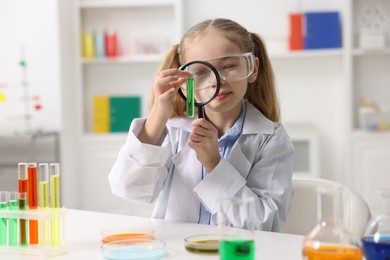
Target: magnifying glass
[{"x": 202, "y": 88}]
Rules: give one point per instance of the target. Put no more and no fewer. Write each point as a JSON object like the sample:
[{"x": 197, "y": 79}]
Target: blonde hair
[{"x": 261, "y": 93}]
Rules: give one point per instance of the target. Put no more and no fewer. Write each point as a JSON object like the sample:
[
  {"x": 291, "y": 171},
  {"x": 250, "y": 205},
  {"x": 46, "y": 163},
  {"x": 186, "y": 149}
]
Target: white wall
[
  {"x": 29, "y": 29},
  {"x": 310, "y": 91}
]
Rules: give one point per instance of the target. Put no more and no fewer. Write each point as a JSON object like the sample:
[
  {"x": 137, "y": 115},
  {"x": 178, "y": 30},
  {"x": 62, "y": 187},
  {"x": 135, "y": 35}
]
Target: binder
[
  {"x": 122, "y": 111},
  {"x": 322, "y": 30}
]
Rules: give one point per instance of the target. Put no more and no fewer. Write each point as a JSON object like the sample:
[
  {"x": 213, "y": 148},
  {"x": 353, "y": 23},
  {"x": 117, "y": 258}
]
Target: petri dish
[
  {"x": 133, "y": 249},
  {"x": 202, "y": 244},
  {"x": 112, "y": 235}
]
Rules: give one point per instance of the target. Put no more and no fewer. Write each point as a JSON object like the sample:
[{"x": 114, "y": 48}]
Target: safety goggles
[{"x": 230, "y": 68}]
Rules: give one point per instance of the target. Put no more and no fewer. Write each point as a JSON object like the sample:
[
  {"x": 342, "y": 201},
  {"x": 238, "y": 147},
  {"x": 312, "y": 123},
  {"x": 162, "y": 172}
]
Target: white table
[{"x": 83, "y": 228}]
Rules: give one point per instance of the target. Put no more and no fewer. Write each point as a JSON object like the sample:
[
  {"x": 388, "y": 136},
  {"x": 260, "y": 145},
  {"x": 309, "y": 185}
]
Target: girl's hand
[
  {"x": 165, "y": 87},
  {"x": 204, "y": 140},
  {"x": 164, "y": 90}
]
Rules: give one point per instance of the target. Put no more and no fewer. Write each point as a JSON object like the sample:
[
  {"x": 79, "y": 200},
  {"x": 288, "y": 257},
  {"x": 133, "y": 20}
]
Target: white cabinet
[
  {"x": 371, "y": 166},
  {"x": 307, "y": 149}
]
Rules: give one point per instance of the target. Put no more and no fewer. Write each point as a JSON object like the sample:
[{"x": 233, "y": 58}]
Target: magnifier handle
[{"x": 200, "y": 112}]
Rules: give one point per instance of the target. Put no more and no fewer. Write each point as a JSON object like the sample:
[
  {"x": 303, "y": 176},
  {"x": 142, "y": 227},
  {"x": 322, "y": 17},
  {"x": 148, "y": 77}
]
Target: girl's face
[{"x": 214, "y": 44}]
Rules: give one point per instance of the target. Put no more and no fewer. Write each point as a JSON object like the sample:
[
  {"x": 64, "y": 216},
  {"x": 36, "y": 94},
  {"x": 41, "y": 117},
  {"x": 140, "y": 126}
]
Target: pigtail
[{"x": 262, "y": 93}]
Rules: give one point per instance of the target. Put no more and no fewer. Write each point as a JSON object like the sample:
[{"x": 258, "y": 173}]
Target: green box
[{"x": 122, "y": 111}]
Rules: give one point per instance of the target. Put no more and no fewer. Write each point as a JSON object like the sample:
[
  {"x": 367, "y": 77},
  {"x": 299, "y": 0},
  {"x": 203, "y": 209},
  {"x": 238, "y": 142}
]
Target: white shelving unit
[
  {"x": 131, "y": 73},
  {"x": 369, "y": 78}
]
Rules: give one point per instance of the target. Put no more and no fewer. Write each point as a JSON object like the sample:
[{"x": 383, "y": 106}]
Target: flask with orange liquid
[{"x": 329, "y": 239}]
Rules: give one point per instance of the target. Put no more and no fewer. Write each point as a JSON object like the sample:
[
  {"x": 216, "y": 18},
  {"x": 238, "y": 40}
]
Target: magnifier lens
[{"x": 204, "y": 83}]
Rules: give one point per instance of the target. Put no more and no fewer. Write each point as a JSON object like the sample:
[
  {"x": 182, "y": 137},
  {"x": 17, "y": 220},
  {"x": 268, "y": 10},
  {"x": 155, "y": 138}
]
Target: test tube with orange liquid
[{"x": 23, "y": 203}]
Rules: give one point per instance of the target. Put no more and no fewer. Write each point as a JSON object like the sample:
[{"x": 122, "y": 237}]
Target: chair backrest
[{"x": 302, "y": 216}]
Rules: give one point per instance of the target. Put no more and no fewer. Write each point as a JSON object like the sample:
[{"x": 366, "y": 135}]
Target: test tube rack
[{"x": 40, "y": 215}]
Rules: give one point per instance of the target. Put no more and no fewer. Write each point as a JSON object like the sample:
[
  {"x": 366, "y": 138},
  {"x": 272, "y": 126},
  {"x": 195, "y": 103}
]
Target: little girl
[{"x": 239, "y": 149}]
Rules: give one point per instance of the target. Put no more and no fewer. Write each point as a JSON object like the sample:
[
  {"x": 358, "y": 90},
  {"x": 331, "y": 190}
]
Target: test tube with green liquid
[
  {"x": 44, "y": 202},
  {"x": 3, "y": 221},
  {"x": 190, "y": 97},
  {"x": 55, "y": 202},
  {"x": 13, "y": 204}
]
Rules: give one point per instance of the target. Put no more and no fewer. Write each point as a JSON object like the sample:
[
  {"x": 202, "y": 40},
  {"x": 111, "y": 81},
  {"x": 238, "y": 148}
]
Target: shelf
[
  {"x": 124, "y": 60},
  {"x": 371, "y": 135},
  {"x": 368, "y": 52},
  {"x": 124, "y": 3},
  {"x": 307, "y": 54}
]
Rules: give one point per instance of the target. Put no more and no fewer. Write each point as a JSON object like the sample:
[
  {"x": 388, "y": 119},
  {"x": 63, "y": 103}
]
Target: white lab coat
[{"x": 260, "y": 165}]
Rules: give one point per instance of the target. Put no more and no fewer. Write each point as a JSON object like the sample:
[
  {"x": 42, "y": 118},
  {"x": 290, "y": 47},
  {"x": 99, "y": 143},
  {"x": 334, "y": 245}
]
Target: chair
[{"x": 303, "y": 212}]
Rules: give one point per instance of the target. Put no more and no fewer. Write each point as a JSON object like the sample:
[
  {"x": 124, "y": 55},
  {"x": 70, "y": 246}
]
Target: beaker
[
  {"x": 329, "y": 239},
  {"x": 236, "y": 225},
  {"x": 376, "y": 238}
]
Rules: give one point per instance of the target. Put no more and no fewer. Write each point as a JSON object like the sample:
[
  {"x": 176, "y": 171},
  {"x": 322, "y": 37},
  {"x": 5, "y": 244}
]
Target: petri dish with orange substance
[{"x": 113, "y": 235}]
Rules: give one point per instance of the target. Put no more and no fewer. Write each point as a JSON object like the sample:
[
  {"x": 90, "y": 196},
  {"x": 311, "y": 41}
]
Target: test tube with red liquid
[{"x": 32, "y": 194}]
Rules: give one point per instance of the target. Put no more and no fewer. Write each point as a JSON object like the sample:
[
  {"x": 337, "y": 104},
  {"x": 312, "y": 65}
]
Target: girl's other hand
[
  {"x": 165, "y": 87},
  {"x": 204, "y": 140}
]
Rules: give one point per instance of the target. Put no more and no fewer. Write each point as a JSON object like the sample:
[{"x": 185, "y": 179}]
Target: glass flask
[
  {"x": 376, "y": 238},
  {"x": 329, "y": 239}
]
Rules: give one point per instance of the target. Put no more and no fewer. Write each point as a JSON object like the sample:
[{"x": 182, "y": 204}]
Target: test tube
[
  {"x": 23, "y": 204},
  {"x": 32, "y": 194},
  {"x": 23, "y": 228},
  {"x": 55, "y": 202},
  {"x": 44, "y": 202},
  {"x": 3, "y": 221},
  {"x": 190, "y": 97},
  {"x": 13, "y": 204}
]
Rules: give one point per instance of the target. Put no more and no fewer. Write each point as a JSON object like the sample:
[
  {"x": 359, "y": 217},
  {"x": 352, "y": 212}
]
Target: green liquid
[
  {"x": 237, "y": 250},
  {"x": 3, "y": 226},
  {"x": 190, "y": 97},
  {"x": 13, "y": 225}
]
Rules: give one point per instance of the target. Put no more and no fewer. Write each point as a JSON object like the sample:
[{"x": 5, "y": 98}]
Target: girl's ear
[{"x": 252, "y": 78}]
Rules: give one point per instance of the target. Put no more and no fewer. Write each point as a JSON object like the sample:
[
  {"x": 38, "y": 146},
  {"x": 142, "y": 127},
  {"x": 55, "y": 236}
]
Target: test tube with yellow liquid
[
  {"x": 44, "y": 202},
  {"x": 55, "y": 203}
]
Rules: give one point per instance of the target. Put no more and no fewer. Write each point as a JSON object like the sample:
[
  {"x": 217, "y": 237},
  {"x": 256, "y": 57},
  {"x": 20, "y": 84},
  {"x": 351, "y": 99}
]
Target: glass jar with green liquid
[
  {"x": 329, "y": 239},
  {"x": 236, "y": 243}
]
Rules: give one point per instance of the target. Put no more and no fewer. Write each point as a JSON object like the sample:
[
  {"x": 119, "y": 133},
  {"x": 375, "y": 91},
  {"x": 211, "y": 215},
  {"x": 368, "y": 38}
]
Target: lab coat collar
[{"x": 255, "y": 122}]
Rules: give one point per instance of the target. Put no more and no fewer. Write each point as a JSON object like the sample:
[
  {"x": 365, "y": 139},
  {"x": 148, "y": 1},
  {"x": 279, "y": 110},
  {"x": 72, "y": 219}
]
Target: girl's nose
[{"x": 222, "y": 78}]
